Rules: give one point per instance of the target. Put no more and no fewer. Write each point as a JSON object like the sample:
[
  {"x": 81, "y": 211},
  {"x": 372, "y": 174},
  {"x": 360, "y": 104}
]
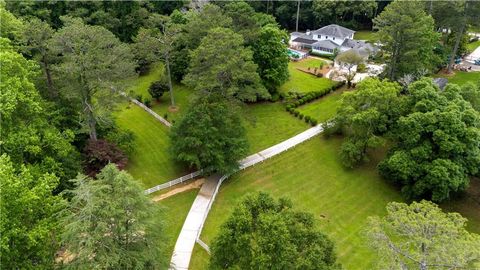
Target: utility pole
[{"x": 298, "y": 15}]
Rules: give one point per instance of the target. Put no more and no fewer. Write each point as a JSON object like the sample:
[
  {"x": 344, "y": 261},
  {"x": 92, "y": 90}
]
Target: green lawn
[
  {"x": 175, "y": 210},
  {"x": 151, "y": 162},
  {"x": 472, "y": 46},
  {"x": 268, "y": 124},
  {"x": 461, "y": 77},
  {"x": 302, "y": 82},
  {"x": 324, "y": 108},
  {"x": 365, "y": 35},
  {"x": 141, "y": 84},
  {"x": 312, "y": 176},
  {"x": 181, "y": 95}
]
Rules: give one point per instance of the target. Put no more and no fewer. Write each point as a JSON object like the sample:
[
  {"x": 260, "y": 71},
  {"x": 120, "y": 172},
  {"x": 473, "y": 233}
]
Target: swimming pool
[{"x": 295, "y": 54}]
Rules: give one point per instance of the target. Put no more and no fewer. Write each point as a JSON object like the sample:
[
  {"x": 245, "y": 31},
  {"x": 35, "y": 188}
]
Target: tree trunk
[
  {"x": 455, "y": 48},
  {"x": 92, "y": 123},
  {"x": 298, "y": 15},
  {"x": 393, "y": 65},
  {"x": 53, "y": 92},
  {"x": 167, "y": 63}
]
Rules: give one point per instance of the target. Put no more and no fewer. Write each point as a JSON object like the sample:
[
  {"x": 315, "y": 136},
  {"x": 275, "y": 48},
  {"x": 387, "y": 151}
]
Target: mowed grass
[
  {"x": 323, "y": 108},
  {"x": 151, "y": 163},
  {"x": 174, "y": 211},
  {"x": 303, "y": 82},
  {"x": 365, "y": 35},
  {"x": 473, "y": 45},
  {"x": 142, "y": 83},
  {"x": 312, "y": 176},
  {"x": 461, "y": 77},
  {"x": 182, "y": 96},
  {"x": 268, "y": 124}
]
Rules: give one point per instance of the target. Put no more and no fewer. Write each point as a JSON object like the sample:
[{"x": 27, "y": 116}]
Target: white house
[{"x": 330, "y": 38}]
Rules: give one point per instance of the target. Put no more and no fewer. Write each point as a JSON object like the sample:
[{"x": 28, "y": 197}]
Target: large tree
[
  {"x": 29, "y": 133},
  {"x": 222, "y": 64},
  {"x": 194, "y": 29},
  {"x": 111, "y": 224},
  {"x": 349, "y": 60},
  {"x": 270, "y": 54},
  {"x": 157, "y": 41},
  {"x": 438, "y": 143},
  {"x": 343, "y": 11},
  {"x": 408, "y": 38},
  {"x": 455, "y": 17},
  {"x": 210, "y": 136},
  {"x": 28, "y": 222},
  {"x": 36, "y": 36},
  {"x": 421, "y": 236},
  {"x": 93, "y": 65},
  {"x": 365, "y": 116},
  {"x": 265, "y": 233}
]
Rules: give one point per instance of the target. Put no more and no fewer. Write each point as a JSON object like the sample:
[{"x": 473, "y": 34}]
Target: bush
[
  {"x": 123, "y": 139},
  {"x": 148, "y": 102},
  {"x": 296, "y": 113},
  {"x": 307, "y": 118},
  {"x": 275, "y": 98},
  {"x": 361, "y": 68},
  {"x": 139, "y": 97},
  {"x": 313, "y": 122},
  {"x": 165, "y": 116},
  {"x": 157, "y": 89},
  {"x": 300, "y": 115},
  {"x": 101, "y": 152}
]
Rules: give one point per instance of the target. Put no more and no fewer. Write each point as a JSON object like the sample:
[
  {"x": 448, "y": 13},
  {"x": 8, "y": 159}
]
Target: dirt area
[
  {"x": 193, "y": 185},
  {"x": 316, "y": 71}
]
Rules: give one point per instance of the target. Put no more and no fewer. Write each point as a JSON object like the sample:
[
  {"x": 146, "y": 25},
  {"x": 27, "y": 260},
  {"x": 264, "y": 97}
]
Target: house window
[
  {"x": 326, "y": 37},
  {"x": 319, "y": 36},
  {"x": 333, "y": 38}
]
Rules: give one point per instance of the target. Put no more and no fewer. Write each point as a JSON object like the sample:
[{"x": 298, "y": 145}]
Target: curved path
[{"x": 201, "y": 206}]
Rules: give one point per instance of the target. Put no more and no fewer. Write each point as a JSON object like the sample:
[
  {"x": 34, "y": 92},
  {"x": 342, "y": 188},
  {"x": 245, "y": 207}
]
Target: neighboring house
[{"x": 330, "y": 38}]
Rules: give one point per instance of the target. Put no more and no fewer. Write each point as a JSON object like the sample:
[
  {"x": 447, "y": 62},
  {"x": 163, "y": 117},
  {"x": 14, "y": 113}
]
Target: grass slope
[
  {"x": 461, "y": 77},
  {"x": 151, "y": 162},
  {"x": 141, "y": 84},
  {"x": 324, "y": 108},
  {"x": 175, "y": 210},
  {"x": 313, "y": 177},
  {"x": 182, "y": 96},
  {"x": 365, "y": 35},
  {"x": 473, "y": 45},
  {"x": 268, "y": 124},
  {"x": 302, "y": 82}
]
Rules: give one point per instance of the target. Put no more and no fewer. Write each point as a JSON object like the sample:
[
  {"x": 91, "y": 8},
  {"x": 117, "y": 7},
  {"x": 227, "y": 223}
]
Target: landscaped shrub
[
  {"x": 296, "y": 113},
  {"x": 165, "y": 116},
  {"x": 300, "y": 115},
  {"x": 99, "y": 153},
  {"x": 307, "y": 118},
  {"x": 157, "y": 89},
  {"x": 139, "y": 97},
  {"x": 148, "y": 102},
  {"x": 313, "y": 122},
  {"x": 361, "y": 68}
]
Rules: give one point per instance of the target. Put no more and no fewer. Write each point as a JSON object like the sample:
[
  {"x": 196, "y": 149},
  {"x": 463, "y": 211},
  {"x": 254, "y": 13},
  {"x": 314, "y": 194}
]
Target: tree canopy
[
  {"x": 111, "y": 223},
  {"x": 437, "y": 145},
  {"x": 408, "y": 37},
  {"x": 210, "y": 136},
  {"x": 28, "y": 217},
  {"x": 265, "y": 233},
  {"x": 221, "y": 64},
  {"x": 93, "y": 65},
  {"x": 422, "y": 236}
]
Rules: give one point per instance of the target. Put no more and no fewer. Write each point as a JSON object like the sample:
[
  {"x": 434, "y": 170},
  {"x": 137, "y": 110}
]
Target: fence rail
[
  {"x": 173, "y": 182},
  {"x": 150, "y": 111},
  {"x": 203, "y": 245}
]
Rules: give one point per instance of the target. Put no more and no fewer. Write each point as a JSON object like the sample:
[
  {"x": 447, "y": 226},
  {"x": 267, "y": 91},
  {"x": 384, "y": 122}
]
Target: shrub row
[
  {"x": 308, "y": 119},
  {"x": 299, "y": 100}
]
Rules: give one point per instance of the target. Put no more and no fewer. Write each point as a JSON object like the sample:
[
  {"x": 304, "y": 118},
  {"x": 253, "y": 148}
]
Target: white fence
[
  {"x": 173, "y": 182},
  {"x": 154, "y": 114}
]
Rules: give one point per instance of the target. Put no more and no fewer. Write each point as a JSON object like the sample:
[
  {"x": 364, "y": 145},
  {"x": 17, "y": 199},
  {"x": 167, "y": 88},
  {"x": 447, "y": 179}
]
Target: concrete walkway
[{"x": 198, "y": 213}]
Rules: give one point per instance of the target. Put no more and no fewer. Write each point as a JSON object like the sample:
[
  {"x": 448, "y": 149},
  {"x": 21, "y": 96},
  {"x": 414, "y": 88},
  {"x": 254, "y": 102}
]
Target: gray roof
[
  {"x": 328, "y": 44},
  {"x": 361, "y": 47},
  {"x": 334, "y": 31},
  {"x": 304, "y": 40}
]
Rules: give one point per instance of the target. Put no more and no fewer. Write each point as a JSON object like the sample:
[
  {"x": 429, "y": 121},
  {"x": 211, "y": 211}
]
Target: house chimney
[{"x": 308, "y": 32}]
